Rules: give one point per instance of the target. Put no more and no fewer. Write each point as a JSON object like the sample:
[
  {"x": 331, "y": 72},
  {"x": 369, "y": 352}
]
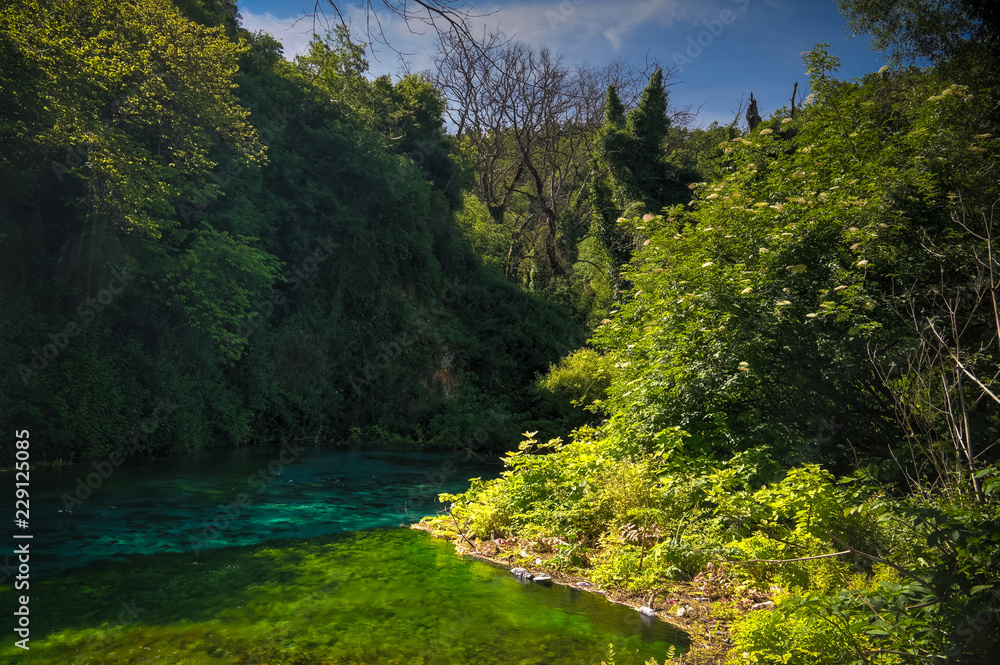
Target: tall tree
[
  {"x": 528, "y": 122},
  {"x": 633, "y": 175}
]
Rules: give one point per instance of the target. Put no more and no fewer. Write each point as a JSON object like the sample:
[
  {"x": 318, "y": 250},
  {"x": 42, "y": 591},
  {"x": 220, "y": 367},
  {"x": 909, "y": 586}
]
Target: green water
[{"x": 376, "y": 595}]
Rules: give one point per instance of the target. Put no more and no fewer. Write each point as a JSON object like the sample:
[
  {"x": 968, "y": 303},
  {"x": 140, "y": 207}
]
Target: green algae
[{"x": 388, "y": 596}]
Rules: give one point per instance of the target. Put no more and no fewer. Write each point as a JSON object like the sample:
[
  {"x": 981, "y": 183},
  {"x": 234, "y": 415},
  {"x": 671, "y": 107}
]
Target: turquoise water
[
  {"x": 313, "y": 569},
  {"x": 186, "y": 502}
]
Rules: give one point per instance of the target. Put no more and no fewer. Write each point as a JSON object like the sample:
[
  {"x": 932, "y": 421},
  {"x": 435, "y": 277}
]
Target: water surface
[
  {"x": 193, "y": 502},
  {"x": 313, "y": 569}
]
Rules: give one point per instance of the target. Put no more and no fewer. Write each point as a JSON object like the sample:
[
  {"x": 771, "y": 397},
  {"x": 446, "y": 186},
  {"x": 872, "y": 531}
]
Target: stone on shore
[{"x": 521, "y": 574}]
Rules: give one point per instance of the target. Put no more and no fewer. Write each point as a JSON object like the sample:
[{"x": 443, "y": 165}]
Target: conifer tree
[
  {"x": 614, "y": 110},
  {"x": 633, "y": 174}
]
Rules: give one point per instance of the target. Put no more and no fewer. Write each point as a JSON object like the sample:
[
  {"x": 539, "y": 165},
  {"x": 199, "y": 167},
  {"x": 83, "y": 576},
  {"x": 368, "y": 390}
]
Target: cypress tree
[
  {"x": 614, "y": 110},
  {"x": 648, "y": 122}
]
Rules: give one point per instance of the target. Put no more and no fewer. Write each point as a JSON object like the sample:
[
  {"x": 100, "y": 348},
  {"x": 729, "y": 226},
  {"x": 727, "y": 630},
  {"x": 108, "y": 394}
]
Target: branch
[
  {"x": 897, "y": 653},
  {"x": 441, "y": 15},
  {"x": 892, "y": 565},
  {"x": 805, "y": 558},
  {"x": 601, "y": 269},
  {"x": 959, "y": 364},
  {"x": 464, "y": 537}
]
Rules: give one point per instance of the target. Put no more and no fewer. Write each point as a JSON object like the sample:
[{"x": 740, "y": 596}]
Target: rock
[
  {"x": 762, "y": 606},
  {"x": 538, "y": 562},
  {"x": 521, "y": 574},
  {"x": 543, "y": 579},
  {"x": 647, "y": 611},
  {"x": 584, "y": 585},
  {"x": 683, "y": 611}
]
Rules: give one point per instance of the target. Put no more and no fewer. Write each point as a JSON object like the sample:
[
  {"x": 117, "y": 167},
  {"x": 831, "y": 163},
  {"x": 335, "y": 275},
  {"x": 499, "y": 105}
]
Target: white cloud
[
  {"x": 566, "y": 26},
  {"x": 570, "y": 25},
  {"x": 662, "y": 12},
  {"x": 293, "y": 33},
  {"x": 396, "y": 41}
]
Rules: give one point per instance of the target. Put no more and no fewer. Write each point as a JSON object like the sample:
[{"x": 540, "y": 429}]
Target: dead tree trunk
[{"x": 753, "y": 118}]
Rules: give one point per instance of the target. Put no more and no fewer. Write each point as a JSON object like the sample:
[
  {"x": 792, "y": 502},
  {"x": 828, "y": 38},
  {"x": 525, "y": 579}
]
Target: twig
[
  {"x": 962, "y": 367},
  {"x": 897, "y": 653},
  {"x": 462, "y": 533}
]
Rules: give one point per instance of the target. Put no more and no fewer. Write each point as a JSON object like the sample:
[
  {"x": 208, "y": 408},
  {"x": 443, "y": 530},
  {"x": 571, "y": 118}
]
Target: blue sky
[{"x": 726, "y": 48}]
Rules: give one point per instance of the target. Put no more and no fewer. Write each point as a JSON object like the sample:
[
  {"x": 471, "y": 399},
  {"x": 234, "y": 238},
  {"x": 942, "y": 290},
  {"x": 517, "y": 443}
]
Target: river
[{"x": 287, "y": 556}]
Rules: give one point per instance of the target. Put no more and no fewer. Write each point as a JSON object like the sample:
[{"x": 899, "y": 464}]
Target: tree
[
  {"x": 632, "y": 173},
  {"x": 925, "y": 29},
  {"x": 120, "y": 124},
  {"x": 143, "y": 125},
  {"x": 150, "y": 251},
  {"x": 632, "y": 152},
  {"x": 410, "y": 114},
  {"x": 528, "y": 122},
  {"x": 606, "y": 206},
  {"x": 336, "y": 64},
  {"x": 754, "y": 324}
]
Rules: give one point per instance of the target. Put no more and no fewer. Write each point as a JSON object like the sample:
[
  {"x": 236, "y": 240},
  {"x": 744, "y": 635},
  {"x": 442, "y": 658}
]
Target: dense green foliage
[
  {"x": 632, "y": 175},
  {"x": 789, "y": 392},
  {"x": 261, "y": 247},
  {"x": 932, "y": 30},
  {"x": 801, "y": 402}
]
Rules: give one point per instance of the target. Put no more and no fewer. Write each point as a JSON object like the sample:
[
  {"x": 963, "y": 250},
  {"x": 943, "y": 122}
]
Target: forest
[{"x": 752, "y": 367}]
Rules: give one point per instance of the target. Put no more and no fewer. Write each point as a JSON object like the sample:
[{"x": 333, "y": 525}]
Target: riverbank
[{"x": 704, "y": 609}]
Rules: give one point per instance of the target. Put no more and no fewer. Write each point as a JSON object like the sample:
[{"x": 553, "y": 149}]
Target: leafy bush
[
  {"x": 776, "y": 638},
  {"x": 573, "y": 386}
]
